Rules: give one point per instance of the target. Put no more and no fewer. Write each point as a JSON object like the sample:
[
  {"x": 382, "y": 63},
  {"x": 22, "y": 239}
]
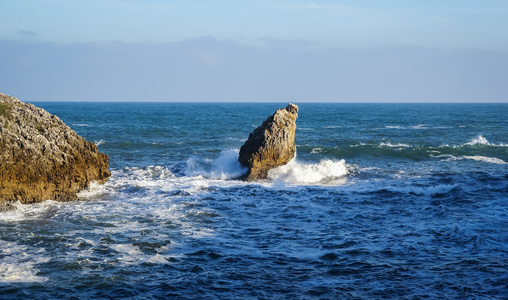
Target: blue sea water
[{"x": 406, "y": 201}]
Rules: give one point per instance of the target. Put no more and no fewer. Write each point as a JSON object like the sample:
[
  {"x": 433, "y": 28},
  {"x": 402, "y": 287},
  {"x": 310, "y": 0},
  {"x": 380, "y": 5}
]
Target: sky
[{"x": 256, "y": 51}]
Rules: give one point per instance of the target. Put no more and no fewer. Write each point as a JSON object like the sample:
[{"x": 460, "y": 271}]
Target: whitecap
[
  {"x": 316, "y": 150},
  {"x": 306, "y": 129},
  {"x": 428, "y": 190},
  {"x": 399, "y": 145},
  {"x": 481, "y": 140},
  {"x": 419, "y": 126},
  {"x": 493, "y": 160},
  {"x": 325, "y": 172}
]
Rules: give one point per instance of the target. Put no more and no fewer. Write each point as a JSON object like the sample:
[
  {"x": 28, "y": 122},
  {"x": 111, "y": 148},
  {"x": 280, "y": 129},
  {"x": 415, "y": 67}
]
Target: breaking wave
[
  {"x": 493, "y": 160},
  {"x": 13, "y": 269},
  {"x": 99, "y": 142},
  {"x": 480, "y": 140},
  {"x": 225, "y": 167},
  {"x": 325, "y": 172}
]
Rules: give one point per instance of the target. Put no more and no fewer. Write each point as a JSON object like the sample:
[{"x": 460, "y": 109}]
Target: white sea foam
[
  {"x": 18, "y": 264},
  {"x": 225, "y": 167},
  {"x": 316, "y": 150},
  {"x": 325, "y": 172},
  {"x": 398, "y": 145},
  {"x": 430, "y": 190},
  {"x": 306, "y": 129},
  {"x": 493, "y": 160},
  {"x": 383, "y": 144},
  {"x": 127, "y": 249},
  {"x": 419, "y": 126},
  {"x": 30, "y": 212},
  {"x": 480, "y": 140},
  {"x": 94, "y": 190}
]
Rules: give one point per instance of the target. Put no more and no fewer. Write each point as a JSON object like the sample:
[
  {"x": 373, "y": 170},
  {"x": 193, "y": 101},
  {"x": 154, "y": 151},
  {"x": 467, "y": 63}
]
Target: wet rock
[
  {"x": 270, "y": 145},
  {"x": 41, "y": 158}
]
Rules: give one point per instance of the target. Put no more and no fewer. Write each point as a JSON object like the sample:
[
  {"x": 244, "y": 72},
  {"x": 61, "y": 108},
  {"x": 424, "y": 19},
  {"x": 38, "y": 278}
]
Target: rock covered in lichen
[
  {"x": 270, "y": 145},
  {"x": 41, "y": 158}
]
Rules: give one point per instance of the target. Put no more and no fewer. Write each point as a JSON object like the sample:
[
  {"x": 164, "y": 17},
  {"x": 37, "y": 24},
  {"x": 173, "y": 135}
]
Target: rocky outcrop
[
  {"x": 270, "y": 145},
  {"x": 41, "y": 158}
]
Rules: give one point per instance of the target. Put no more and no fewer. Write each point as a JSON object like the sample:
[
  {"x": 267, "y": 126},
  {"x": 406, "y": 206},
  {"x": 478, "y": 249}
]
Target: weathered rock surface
[
  {"x": 41, "y": 158},
  {"x": 270, "y": 145}
]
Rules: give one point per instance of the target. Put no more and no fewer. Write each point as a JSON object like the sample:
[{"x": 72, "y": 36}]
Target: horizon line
[{"x": 268, "y": 102}]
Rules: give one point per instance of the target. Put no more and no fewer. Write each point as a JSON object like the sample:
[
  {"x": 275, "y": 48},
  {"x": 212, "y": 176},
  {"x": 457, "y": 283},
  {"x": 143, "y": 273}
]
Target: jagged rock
[
  {"x": 41, "y": 158},
  {"x": 270, "y": 145}
]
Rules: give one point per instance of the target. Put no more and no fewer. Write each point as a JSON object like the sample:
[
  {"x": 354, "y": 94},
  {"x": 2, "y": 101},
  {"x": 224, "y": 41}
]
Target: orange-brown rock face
[
  {"x": 41, "y": 158},
  {"x": 270, "y": 145}
]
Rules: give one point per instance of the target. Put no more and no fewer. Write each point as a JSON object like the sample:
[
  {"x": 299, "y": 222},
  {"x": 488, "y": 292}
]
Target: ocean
[{"x": 405, "y": 201}]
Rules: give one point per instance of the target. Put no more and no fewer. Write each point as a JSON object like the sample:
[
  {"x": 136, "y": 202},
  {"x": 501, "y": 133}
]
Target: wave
[
  {"x": 381, "y": 145},
  {"x": 225, "y": 167},
  {"x": 441, "y": 189},
  {"x": 99, "y": 142},
  {"x": 316, "y": 150},
  {"x": 324, "y": 172},
  {"x": 429, "y": 190},
  {"x": 398, "y": 145},
  {"x": 493, "y": 160},
  {"x": 480, "y": 140},
  {"x": 419, "y": 126},
  {"x": 33, "y": 211},
  {"x": 13, "y": 269}
]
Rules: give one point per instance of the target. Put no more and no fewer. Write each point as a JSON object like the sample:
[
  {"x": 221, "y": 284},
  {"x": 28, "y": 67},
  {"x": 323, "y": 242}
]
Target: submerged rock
[
  {"x": 270, "y": 145},
  {"x": 41, "y": 158}
]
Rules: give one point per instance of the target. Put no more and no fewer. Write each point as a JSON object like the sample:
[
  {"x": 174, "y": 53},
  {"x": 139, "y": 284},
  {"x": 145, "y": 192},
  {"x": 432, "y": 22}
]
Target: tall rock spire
[{"x": 270, "y": 145}]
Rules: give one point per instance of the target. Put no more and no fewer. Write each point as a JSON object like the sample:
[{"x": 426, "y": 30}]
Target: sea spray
[
  {"x": 166, "y": 226},
  {"x": 481, "y": 140},
  {"x": 224, "y": 167},
  {"x": 295, "y": 172}
]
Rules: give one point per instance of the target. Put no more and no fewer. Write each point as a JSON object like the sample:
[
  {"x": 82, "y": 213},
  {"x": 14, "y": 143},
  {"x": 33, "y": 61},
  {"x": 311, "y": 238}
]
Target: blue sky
[{"x": 353, "y": 51}]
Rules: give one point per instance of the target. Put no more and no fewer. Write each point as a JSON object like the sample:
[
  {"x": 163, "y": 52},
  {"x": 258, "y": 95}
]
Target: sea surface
[{"x": 404, "y": 201}]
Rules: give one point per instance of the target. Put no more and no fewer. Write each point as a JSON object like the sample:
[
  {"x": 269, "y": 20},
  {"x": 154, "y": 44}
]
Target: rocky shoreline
[{"x": 43, "y": 159}]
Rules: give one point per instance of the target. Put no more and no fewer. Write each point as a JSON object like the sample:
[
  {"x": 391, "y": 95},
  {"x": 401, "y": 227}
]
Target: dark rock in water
[
  {"x": 41, "y": 158},
  {"x": 270, "y": 145}
]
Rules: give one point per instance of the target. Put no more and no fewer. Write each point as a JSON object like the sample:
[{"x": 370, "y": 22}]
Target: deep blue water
[{"x": 382, "y": 201}]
